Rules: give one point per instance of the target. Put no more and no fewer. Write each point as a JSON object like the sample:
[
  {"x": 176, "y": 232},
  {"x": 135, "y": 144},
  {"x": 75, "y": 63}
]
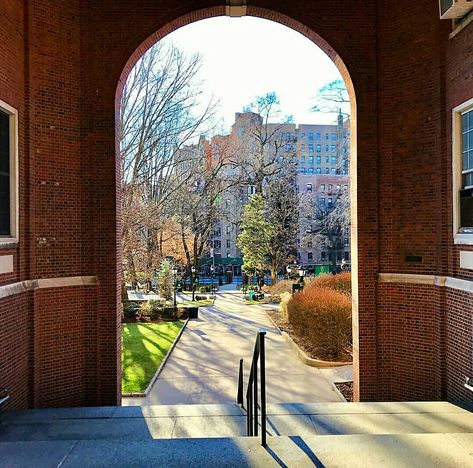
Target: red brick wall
[
  {"x": 62, "y": 64},
  {"x": 16, "y": 339}
]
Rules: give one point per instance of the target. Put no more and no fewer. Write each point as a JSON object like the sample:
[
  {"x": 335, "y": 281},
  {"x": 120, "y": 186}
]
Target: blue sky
[{"x": 246, "y": 57}]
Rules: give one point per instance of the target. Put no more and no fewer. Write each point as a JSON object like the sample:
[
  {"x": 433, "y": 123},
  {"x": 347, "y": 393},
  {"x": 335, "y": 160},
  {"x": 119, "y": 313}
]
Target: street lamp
[
  {"x": 174, "y": 274},
  {"x": 212, "y": 268},
  {"x": 193, "y": 282},
  {"x": 301, "y": 275}
]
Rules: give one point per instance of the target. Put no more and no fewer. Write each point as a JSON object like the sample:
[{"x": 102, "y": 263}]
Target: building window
[
  {"x": 309, "y": 188},
  {"x": 302, "y": 159},
  {"x": 334, "y": 160},
  {"x": 311, "y": 170},
  {"x": 333, "y": 171},
  {"x": 309, "y": 256},
  {"x": 334, "y": 136},
  {"x": 318, "y": 160},
  {"x": 228, "y": 230},
  {"x": 311, "y": 160},
  {"x": 311, "y": 136},
  {"x": 8, "y": 174},
  {"x": 311, "y": 147},
  {"x": 302, "y": 170},
  {"x": 323, "y": 255},
  {"x": 327, "y": 170},
  {"x": 251, "y": 189},
  {"x": 319, "y": 148},
  {"x": 318, "y": 170},
  {"x": 317, "y": 136},
  {"x": 322, "y": 188},
  {"x": 466, "y": 184},
  {"x": 302, "y": 136},
  {"x": 462, "y": 162},
  {"x": 228, "y": 243}
]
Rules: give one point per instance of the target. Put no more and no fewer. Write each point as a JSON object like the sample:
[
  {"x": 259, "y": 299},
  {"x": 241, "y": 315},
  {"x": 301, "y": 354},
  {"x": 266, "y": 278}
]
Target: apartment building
[{"x": 320, "y": 156}]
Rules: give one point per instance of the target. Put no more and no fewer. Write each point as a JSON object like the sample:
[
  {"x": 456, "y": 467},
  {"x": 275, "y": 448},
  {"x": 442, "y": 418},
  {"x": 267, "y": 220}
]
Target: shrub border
[{"x": 160, "y": 368}]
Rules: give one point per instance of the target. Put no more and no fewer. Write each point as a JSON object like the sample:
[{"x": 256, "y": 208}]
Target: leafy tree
[
  {"x": 166, "y": 279},
  {"x": 282, "y": 210},
  {"x": 255, "y": 236}
]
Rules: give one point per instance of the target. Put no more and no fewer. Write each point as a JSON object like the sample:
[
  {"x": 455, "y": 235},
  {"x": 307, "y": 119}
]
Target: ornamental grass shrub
[
  {"x": 340, "y": 282},
  {"x": 322, "y": 318}
]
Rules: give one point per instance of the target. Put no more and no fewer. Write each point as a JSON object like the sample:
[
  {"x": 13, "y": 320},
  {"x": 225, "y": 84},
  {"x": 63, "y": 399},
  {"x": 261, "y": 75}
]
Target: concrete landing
[
  {"x": 189, "y": 421},
  {"x": 411, "y": 450}
]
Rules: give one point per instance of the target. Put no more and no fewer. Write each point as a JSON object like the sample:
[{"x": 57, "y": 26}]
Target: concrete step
[
  {"x": 407, "y": 450},
  {"x": 187, "y": 421}
]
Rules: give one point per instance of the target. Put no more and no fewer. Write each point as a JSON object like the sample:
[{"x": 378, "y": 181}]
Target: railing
[
  {"x": 252, "y": 406},
  {"x": 4, "y": 396}
]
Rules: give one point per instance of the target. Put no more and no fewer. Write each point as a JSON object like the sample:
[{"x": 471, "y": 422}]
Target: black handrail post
[
  {"x": 240, "y": 385},
  {"x": 255, "y": 389},
  {"x": 263, "y": 388}
]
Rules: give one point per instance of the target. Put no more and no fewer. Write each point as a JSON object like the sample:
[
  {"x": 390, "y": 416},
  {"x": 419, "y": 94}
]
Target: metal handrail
[
  {"x": 252, "y": 390},
  {"x": 4, "y": 396}
]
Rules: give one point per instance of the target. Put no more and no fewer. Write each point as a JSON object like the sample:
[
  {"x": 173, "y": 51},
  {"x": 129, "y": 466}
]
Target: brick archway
[{"x": 289, "y": 22}]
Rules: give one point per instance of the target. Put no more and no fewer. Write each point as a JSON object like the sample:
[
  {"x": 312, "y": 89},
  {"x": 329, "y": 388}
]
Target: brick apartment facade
[
  {"x": 62, "y": 68},
  {"x": 319, "y": 155}
]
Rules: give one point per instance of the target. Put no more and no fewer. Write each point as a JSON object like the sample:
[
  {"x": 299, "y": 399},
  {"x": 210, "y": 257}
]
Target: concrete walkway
[{"x": 203, "y": 367}]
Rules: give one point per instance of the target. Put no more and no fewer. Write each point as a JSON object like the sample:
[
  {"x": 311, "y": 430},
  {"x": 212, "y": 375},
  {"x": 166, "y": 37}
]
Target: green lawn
[
  {"x": 144, "y": 346},
  {"x": 203, "y": 303}
]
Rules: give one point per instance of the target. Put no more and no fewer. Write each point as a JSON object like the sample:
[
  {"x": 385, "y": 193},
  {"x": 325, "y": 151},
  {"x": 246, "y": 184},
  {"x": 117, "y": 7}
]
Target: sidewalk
[{"x": 203, "y": 367}]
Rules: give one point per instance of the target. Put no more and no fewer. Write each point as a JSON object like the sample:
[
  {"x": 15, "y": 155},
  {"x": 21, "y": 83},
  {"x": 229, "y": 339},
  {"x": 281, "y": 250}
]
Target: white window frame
[
  {"x": 458, "y": 237},
  {"x": 13, "y": 237}
]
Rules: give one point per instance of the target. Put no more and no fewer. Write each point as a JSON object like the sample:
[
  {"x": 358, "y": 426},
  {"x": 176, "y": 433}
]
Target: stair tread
[{"x": 346, "y": 450}]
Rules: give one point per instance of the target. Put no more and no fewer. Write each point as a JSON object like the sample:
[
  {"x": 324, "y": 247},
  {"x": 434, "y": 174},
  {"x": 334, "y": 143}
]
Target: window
[
  {"x": 333, "y": 171},
  {"x": 302, "y": 170},
  {"x": 466, "y": 187},
  {"x": 326, "y": 147},
  {"x": 326, "y": 136},
  {"x": 333, "y": 148},
  {"x": 333, "y": 136},
  {"x": 319, "y": 148},
  {"x": 251, "y": 189},
  {"x": 327, "y": 170},
  {"x": 311, "y": 147},
  {"x": 8, "y": 174},
  {"x": 228, "y": 230},
  {"x": 228, "y": 243},
  {"x": 318, "y": 160},
  {"x": 309, "y": 188},
  {"x": 309, "y": 256},
  {"x": 317, "y": 136},
  {"x": 323, "y": 255},
  {"x": 347, "y": 256},
  {"x": 318, "y": 170},
  {"x": 302, "y": 159},
  {"x": 330, "y": 202},
  {"x": 311, "y": 136},
  {"x": 322, "y": 201},
  {"x": 330, "y": 187},
  {"x": 302, "y": 136},
  {"x": 311, "y": 160},
  {"x": 322, "y": 188},
  {"x": 311, "y": 170},
  {"x": 217, "y": 244},
  {"x": 334, "y": 160}
]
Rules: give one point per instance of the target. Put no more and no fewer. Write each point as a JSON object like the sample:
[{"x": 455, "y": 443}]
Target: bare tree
[
  {"x": 160, "y": 110},
  {"x": 261, "y": 153},
  {"x": 332, "y": 98}
]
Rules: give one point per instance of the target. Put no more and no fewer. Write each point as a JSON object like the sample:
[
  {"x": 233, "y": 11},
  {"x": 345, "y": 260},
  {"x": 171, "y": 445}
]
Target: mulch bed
[
  {"x": 309, "y": 348},
  {"x": 346, "y": 389}
]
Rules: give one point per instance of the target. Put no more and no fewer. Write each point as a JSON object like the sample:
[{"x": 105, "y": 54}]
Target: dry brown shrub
[
  {"x": 340, "y": 282},
  {"x": 322, "y": 316}
]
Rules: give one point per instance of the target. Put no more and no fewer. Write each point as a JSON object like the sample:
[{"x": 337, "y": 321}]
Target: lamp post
[
  {"x": 174, "y": 274},
  {"x": 212, "y": 269},
  {"x": 289, "y": 270},
  {"x": 301, "y": 275},
  {"x": 193, "y": 282}
]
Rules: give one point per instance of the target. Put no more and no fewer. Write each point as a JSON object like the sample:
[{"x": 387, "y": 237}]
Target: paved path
[{"x": 203, "y": 367}]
